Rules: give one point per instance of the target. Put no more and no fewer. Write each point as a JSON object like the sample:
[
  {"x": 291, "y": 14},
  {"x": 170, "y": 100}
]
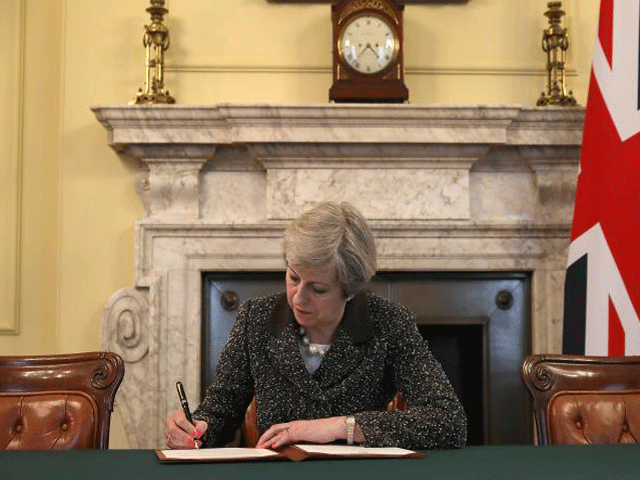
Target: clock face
[{"x": 368, "y": 44}]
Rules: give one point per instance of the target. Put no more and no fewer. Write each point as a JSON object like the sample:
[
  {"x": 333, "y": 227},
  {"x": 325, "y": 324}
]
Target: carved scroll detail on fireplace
[{"x": 445, "y": 188}]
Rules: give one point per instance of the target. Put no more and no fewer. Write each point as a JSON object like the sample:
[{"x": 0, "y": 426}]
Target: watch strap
[{"x": 351, "y": 428}]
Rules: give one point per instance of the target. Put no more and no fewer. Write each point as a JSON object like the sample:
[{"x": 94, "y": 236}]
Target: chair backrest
[
  {"x": 584, "y": 400},
  {"x": 58, "y": 401},
  {"x": 249, "y": 428}
]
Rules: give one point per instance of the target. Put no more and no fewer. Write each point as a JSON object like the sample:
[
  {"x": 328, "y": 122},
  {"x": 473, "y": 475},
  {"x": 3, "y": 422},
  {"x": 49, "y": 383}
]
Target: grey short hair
[{"x": 334, "y": 236}]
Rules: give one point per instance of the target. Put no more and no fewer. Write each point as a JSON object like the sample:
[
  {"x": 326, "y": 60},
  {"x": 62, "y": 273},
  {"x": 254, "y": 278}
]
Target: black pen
[{"x": 185, "y": 406}]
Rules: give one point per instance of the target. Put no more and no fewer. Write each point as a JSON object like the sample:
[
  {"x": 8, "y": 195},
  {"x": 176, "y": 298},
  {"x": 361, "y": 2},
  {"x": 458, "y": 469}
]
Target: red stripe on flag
[
  {"x": 605, "y": 30},
  {"x": 616, "y": 333}
]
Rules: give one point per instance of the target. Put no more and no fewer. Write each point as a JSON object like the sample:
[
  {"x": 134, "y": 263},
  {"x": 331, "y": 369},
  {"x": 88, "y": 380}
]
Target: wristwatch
[{"x": 351, "y": 428}]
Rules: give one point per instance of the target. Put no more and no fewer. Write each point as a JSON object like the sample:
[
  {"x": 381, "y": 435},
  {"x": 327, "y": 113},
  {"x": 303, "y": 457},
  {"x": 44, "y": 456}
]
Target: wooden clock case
[{"x": 349, "y": 85}]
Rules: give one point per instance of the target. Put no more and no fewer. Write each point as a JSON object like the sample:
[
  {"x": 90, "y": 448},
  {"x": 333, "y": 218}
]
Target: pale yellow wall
[
  {"x": 69, "y": 199},
  {"x": 29, "y": 174},
  {"x": 484, "y": 51}
]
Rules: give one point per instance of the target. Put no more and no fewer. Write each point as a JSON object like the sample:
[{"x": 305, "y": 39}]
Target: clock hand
[{"x": 368, "y": 46}]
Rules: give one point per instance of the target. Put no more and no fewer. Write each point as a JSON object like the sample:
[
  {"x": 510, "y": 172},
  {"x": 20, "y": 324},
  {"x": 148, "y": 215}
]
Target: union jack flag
[{"x": 602, "y": 289}]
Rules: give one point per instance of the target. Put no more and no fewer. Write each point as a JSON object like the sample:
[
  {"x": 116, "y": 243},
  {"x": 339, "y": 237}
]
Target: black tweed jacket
[{"x": 377, "y": 352}]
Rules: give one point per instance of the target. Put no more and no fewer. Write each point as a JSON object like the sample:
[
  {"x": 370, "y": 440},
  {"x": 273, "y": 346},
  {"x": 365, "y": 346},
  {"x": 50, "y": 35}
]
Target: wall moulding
[
  {"x": 12, "y": 44},
  {"x": 505, "y": 71},
  {"x": 446, "y": 188}
]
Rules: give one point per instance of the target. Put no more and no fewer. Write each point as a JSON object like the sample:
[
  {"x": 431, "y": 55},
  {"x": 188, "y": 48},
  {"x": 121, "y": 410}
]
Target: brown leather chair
[
  {"x": 249, "y": 429},
  {"x": 58, "y": 401},
  {"x": 584, "y": 400}
]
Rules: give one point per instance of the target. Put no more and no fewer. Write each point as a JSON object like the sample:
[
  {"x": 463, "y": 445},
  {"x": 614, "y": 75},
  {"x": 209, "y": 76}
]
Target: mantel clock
[{"x": 368, "y": 61}]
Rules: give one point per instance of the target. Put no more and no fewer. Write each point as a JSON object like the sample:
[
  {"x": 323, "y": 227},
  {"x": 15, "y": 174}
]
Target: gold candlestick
[
  {"x": 555, "y": 43},
  {"x": 156, "y": 42}
]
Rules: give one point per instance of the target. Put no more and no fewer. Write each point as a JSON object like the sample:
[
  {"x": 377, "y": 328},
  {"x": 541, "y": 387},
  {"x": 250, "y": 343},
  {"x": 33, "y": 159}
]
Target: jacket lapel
[
  {"x": 346, "y": 353},
  {"x": 348, "y": 349},
  {"x": 284, "y": 352}
]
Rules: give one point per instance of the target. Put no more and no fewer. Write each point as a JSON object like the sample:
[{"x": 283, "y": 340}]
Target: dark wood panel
[{"x": 333, "y": 1}]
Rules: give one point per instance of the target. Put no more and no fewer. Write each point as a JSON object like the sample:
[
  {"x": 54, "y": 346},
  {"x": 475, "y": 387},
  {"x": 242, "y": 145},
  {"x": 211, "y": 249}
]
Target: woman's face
[{"x": 317, "y": 300}]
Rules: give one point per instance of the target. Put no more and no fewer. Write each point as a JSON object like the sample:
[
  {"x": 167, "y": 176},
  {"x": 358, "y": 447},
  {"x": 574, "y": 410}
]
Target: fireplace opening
[
  {"x": 477, "y": 325},
  {"x": 458, "y": 346}
]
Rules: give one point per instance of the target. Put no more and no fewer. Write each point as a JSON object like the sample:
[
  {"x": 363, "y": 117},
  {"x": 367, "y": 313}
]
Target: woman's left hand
[{"x": 322, "y": 430}]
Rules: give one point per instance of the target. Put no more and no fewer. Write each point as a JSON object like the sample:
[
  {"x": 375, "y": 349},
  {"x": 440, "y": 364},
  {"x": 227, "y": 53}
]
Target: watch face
[{"x": 368, "y": 44}]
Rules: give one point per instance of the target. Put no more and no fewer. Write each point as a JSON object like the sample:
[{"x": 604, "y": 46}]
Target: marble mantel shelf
[
  {"x": 457, "y": 188},
  {"x": 338, "y": 123}
]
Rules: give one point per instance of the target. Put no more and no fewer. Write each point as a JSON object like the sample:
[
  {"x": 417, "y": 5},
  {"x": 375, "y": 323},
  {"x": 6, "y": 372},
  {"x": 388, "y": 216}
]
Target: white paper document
[
  {"x": 295, "y": 453},
  {"x": 354, "y": 450},
  {"x": 218, "y": 454}
]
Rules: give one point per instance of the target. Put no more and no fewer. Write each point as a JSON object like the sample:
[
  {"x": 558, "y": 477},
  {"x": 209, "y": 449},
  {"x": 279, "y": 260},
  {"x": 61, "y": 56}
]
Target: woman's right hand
[{"x": 179, "y": 433}]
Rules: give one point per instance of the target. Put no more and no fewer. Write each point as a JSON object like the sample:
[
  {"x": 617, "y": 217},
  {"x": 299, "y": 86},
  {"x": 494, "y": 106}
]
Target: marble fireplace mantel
[{"x": 450, "y": 188}]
